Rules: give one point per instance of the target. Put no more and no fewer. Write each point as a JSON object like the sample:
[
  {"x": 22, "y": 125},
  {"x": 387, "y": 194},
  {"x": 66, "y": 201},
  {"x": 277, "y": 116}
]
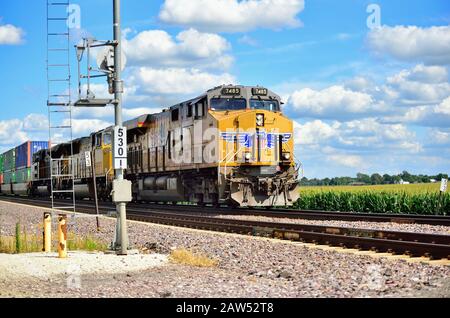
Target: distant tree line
[{"x": 376, "y": 178}]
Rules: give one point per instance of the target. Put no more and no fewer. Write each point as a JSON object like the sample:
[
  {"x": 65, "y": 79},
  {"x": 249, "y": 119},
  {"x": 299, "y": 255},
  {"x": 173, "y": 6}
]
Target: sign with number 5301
[{"x": 120, "y": 147}]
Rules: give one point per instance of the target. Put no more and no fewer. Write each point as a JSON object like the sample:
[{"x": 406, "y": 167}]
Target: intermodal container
[
  {"x": 24, "y": 152},
  {"x": 9, "y": 177},
  {"x": 1, "y": 163},
  {"x": 23, "y": 175},
  {"x": 9, "y": 160},
  {"x": 1, "y": 178}
]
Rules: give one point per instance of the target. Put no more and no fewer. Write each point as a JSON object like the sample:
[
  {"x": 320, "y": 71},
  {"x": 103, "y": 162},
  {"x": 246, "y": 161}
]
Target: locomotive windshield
[
  {"x": 107, "y": 138},
  {"x": 228, "y": 104},
  {"x": 270, "y": 105}
]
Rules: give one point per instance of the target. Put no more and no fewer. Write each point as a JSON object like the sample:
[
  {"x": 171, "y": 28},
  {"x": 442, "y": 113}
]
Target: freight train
[{"x": 231, "y": 145}]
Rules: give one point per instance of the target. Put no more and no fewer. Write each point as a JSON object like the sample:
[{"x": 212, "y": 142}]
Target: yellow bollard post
[
  {"x": 47, "y": 232},
  {"x": 62, "y": 236}
]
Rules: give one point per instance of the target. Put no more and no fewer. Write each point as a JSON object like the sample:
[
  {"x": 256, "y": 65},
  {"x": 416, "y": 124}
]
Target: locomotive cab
[{"x": 102, "y": 148}]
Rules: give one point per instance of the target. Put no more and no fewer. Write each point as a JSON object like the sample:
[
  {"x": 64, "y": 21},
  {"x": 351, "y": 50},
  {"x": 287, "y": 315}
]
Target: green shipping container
[
  {"x": 23, "y": 175},
  {"x": 9, "y": 160},
  {"x": 9, "y": 177},
  {"x": 1, "y": 163}
]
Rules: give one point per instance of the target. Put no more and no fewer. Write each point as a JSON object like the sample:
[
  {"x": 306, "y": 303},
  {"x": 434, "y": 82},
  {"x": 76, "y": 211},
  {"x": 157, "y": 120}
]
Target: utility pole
[
  {"x": 121, "y": 188},
  {"x": 122, "y": 234}
]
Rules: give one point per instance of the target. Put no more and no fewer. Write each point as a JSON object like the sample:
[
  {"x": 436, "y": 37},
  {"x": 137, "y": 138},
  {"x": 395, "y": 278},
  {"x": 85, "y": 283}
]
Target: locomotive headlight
[
  {"x": 260, "y": 120},
  {"x": 286, "y": 156},
  {"x": 247, "y": 156}
]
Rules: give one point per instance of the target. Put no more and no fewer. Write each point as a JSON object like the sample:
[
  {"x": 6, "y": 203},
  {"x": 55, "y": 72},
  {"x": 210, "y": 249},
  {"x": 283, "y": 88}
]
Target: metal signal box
[{"x": 121, "y": 192}]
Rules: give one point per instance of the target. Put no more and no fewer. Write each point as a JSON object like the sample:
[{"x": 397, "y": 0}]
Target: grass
[
  {"x": 7, "y": 245},
  {"x": 87, "y": 243},
  {"x": 187, "y": 257},
  {"x": 23, "y": 242}
]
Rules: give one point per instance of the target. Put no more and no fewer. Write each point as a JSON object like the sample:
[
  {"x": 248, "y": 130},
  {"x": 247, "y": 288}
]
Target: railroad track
[
  {"x": 434, "y": 246},
  {"x": 283, "y": 213},
  {"x": 315, "y": 214}
]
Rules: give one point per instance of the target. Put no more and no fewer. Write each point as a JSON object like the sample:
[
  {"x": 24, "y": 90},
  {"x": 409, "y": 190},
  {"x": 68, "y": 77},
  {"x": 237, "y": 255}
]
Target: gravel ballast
[{"x": 247, "y": 267}]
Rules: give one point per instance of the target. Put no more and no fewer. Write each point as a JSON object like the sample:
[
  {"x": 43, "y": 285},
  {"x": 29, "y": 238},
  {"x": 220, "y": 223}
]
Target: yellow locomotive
[{"x": 230, "y": 145}]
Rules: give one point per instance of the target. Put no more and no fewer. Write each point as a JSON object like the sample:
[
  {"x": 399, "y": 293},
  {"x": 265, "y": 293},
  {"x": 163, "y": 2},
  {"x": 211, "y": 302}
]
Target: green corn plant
[{"x": 376, "y": 202}]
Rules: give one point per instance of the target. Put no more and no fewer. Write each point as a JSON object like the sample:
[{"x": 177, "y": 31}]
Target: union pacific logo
[{"x": 246, "y": 139}]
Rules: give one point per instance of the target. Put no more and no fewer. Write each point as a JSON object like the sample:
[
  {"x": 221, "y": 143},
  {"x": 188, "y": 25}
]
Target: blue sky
[{"x": 363, "y": 99}]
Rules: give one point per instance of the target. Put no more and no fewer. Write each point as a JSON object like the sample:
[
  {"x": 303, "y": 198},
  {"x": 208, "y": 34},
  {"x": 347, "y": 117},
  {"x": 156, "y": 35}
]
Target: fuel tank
[{"x": 164, "y": 188}]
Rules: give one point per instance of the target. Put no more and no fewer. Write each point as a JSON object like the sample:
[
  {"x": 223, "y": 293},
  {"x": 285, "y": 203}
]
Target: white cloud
[
  {"x": 358, "y": 83},
  {"x": 232, "y": 15},
  {"x": 428, "y": 74},
  {"x": 411, "y": 147},
  {"x": 433, "y": 116},
  {"x": 313, "y": 132},
  {"x": 420, "y": 85},
  {"x": 366, "y": 134},
  {"x": 35, "y": 127},
  {"x": 334, "y": 102},
  {"x": 441, "y": 137},
  {"x": 84, "y": 127},
  {"x": 190, "y": 48},
  {"x": 178, "y": 81},
  {"x": 370, "y": 133},
  {"x": 16, "y": 131},
  {"x": 11, "y": 132},
  {"x": 411, "y": 43},
  {"x": 35, "y": 123},
  {"x": 340, "y": 148},
  {"x": 444, "y": 107},
  {"x": 11, "y": 35},
  {"x": 351, "y": 161},
  {"x": 373, "y": 126},
  {"x": 419, "y": 95}
]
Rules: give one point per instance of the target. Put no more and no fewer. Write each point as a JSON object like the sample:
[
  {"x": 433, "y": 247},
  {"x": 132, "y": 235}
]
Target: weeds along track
[{"x": 434, "y": 246}]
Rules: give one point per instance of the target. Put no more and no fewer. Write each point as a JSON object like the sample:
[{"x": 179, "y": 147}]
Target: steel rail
[{"x": 318, "y": 214}]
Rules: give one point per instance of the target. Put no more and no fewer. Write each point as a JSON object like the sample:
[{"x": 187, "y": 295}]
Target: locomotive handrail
[
  {"x": 229, "y": 160},
  {"x": 226, "y": 163},
  {"x": 106, "y": 176},
  {"x": 297, "y": 162}
]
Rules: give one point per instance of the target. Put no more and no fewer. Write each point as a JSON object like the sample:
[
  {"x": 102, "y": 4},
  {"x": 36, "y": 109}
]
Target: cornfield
[
  {"x": 408, "y": 188},
  {"x": 374, "y": 201}
]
